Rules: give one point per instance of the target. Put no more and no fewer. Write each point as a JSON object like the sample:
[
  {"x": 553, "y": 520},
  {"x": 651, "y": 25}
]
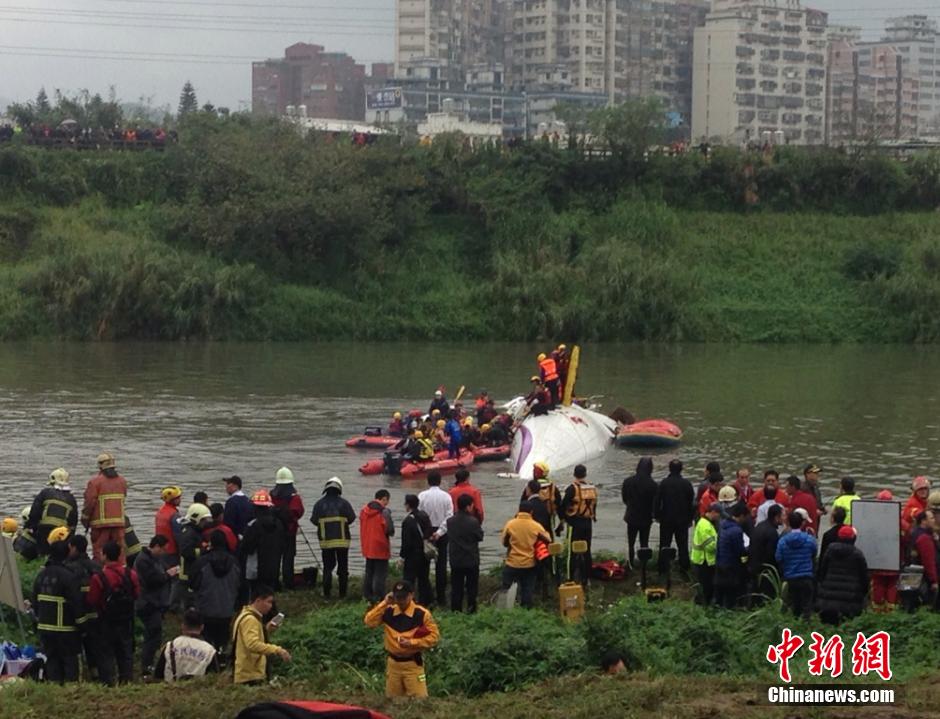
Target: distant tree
[
  {"x": 42, "y": 102},
  {"x": 630, "y": 129},
  {"x": 209, "y": 107},
  {"x": 188, "y": 102}
]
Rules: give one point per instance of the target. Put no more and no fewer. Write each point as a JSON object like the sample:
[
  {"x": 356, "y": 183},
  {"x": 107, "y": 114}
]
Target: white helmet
[
  {"x": 284, "y": 476},
  {"x": 334, "y": 483},
  {"x": 197, "y": 512},
  {"x": 59, "y": 478}
]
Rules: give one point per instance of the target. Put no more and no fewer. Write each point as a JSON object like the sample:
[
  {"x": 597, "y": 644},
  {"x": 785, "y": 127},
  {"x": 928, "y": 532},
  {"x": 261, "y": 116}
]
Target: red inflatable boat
[
  {"x": 491, "y": 454},
  {"x": 397, "y": 465},
  {"x": 372, "y": 439},
  {"x": 649, "y": 433}
]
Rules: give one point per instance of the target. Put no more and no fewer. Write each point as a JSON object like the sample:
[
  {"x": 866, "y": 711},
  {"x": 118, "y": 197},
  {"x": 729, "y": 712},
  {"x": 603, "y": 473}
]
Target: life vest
[
  {"x": 166, "y": 516},
  {"x": 132, "y": 545},
  {"x": 549, "y": 369},
  {"x": 585, "y": 501},
  {"x": 547, "y": 497},
  {"x": 333, "y": 532},
  {"x": 425, "y": 449},
  {"x": 57, "y": 511},
  {"x": 607, "y": 571}
]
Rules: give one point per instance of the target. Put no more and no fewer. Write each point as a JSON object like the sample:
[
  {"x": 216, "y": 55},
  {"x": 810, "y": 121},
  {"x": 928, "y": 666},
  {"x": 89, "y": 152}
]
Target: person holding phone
[{"x": 249, "y": 637}]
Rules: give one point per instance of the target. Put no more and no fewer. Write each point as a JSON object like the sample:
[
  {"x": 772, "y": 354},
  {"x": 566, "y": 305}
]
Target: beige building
[
  {"x": 916, "y": 41},
  {"x": 759, "y": 70}
]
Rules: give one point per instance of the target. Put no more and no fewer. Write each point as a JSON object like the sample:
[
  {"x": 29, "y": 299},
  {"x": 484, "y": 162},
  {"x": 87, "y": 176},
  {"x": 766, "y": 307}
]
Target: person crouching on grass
[{"x": 409, "y": 629}]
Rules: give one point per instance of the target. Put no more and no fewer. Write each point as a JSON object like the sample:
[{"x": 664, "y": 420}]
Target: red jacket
[
  {"x": 375, "y": 528},
  {"x": 230, "y": 539},
  {"x": 808, "y": 502},
  {"x": 915, "y": 505},
  {"x": 707, "y": 499},
  {"x": 291, "y": 510},
  {"x": 758, "y": 498},
  {"x": 927, "y": 552},
  {"x": 166, "y": 516},
  {"x": 467, "y": 488},
  {"x": 113, "y": 572}
]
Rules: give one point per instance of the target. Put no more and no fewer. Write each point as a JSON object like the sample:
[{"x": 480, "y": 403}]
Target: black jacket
[
  {"x": 64, "y": 515},
  {"x": 189, "y": 545},
  {"x": 464, "y": 535},
  {"x": 673, "y": 505},
  {"x": 215, "y": 580},
  {"x": 763, "y": 547},
  {"x": 57, "y": 580},
  {"x": 639, "y": 493},
  {"x": 415, "y": 528},
  {"x": 843, "y": 580},
  {"x": 829, "y": 536},
  {"x": 331, "y": 505},
  {"x": 154, "y": 582},
  {"x": 263, "y": 545}
]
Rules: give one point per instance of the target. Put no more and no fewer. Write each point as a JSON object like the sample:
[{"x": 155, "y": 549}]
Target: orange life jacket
[{"x": 549, "y": 369}]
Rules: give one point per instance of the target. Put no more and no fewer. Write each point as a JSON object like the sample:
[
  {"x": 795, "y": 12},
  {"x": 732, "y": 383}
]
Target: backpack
[{"x": 119, "y": 604}]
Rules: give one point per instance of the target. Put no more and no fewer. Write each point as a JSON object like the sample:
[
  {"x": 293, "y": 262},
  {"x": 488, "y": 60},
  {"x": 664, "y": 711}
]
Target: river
[{"x": 190, "y": 414}]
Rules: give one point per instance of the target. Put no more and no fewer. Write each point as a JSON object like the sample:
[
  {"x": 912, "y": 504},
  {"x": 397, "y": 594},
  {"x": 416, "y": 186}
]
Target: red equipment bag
[
  {"x": 607, "y": 571},
  {"x": 307, "y": 710}
]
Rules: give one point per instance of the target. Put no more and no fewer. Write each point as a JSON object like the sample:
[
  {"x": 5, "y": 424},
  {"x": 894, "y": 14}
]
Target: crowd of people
[
  {"x": 73, "y": 135},
  {"x": 746, "y": 540}
]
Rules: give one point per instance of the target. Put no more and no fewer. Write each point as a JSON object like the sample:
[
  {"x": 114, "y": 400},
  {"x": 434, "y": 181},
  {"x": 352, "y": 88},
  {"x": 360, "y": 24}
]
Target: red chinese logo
[
  {"x": 872, "y": 654},
  {"x": 827, "y": 655},
  {"x": 782, "y": 653}
]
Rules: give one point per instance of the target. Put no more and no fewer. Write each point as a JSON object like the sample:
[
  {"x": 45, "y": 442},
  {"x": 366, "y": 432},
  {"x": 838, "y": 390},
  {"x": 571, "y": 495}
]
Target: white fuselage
[{"x": 564, "y": 437}]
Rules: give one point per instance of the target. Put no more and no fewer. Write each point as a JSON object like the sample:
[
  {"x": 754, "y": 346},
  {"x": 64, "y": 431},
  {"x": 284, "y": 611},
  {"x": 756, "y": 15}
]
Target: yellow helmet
[
  {"x": 485, "y": 427},
  {"x": 170, "y": 493},
  {"x": 397, "y": 415},
  {"x": 535, "y": 378},
  {"x": 441, "y": 424},
  {"x": 562, "y": 347},
  {"x": 9, "y": 525},
  {"x": 468, "y": 422},
  {"x": 106, "y": 461},
  {"x": 540, "y": 357},
  {"x": 435, "y": 412},
  {"x": 540, "y": 470},
  {"x": 419, "y": 434},
  {"x": 59, "y": 534}
]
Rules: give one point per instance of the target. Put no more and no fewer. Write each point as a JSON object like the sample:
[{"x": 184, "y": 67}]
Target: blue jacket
[
  {"x": 730, "y": 545},
  {"x": 795, "y": 553},
  {"x": 239, "y": 511},
  {"x": 453, "y": 431}
]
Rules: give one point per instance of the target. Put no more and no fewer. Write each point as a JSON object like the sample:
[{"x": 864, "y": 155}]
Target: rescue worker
[
  {"x": 113, "y": 592},
  {"x": 548, "y": 373},
  {"x": 166, "y": 523},
  {"x": 579, "y": 509},
  {"x": 924, "y": 552},
  {"x": 190, "y": 542},
  {"x": 425, "y": 448},
  {"x": 103, "y": 511},
  {"x": 539, "y": 400},
  {"x": 439, "y": 438},
  {"x": 481, "y": 400},
  {"x": 57, "y": 603},
  {"x": 846, "y": 497},
  {"x": 471, "y": 435},
  {"x": 495, "y": 434},
  {"x": 9, "y": 528},
  {"x": 53, "y": 507},
  {"x": 375, "y": 530},
  {"x": 291, "y": 508},
  {"x": 87, "y": 621},
  {"x": 24, "y": 543},
  {"x": 454, "y": 436},
  {"x": 487, "y": 413},
  {"x": 440, "y": 404},
  {"x": 332, "y": 515},
  {"x": 409, "y": 629},
  {"x": 562, "y": 362},
  {"x": 250, "y": 639},
  {"x": 132, "y": 544},
  {"x": 520, "y": 536},
  {"x": 704, "y": 549},
  {"x": 916, "y": 503},
  {"x": 396, "y": 427}
]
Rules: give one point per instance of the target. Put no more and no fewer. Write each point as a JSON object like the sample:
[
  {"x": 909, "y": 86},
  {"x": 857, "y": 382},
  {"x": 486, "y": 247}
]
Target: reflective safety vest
[
  {"x": 547, "y": 496},
  {"x": 333, "y": 533},
  {"x": 549, "y": 369},
  {"x": 425, "y": 449},
  {"x": 131, "y": 541},
  {"x": 57, "y": 510},
  {"x": 585, "y": 501},
  {"x": 56, "y": 594}
]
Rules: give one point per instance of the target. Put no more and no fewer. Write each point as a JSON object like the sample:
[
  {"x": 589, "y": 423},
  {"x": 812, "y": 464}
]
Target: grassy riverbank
[{"x": 246, "y": 231}]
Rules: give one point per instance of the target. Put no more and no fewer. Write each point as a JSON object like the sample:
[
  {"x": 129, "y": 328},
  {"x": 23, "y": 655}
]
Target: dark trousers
[
  {"x": 287, "y": 561},
  {"x": 216, "y": 631},
  {"x": 464, "y": 579},
  {"x": 373, "y": 583},
  {"x": 152, "y": 619},
  {"x": 579, "y": 565},
  {"x": 800, "y": 596},
  {"x": 440, "y": 570},
  {"x": 415, "y": 570},
  {"x": 668, "y": 532},
  {"x": 632, "y": 531},
  {"x": 335, "y": 559},
  {"x": 62, "y": 650},
  {"x": 554, "y": 390},
  {"x": 729, "y": 586},
  {"x": 116, "y": 649},
  {"x": 525, "y": 578},
  {"x": 762, "y": 589},
  {"x": 705, "y": 576}
]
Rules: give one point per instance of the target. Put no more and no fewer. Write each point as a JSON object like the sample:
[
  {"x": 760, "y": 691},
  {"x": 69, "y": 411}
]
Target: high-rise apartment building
[
  {"x": 760, "y": 67},
  {"x": 915, "y": 37},
  {"x": 328, "y": 84},
  {"x": 871, "y": 96},
  {"x": 620, "y": 48},
  {"x": 449, "y": 34}
]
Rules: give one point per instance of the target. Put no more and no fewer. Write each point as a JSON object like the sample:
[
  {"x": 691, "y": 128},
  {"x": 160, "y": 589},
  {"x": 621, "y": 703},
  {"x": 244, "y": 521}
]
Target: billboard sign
[{"x": 387, "y": 98}]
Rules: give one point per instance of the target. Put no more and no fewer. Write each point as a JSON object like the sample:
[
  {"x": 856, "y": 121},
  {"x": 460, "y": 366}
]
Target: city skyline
[{"x": 149, "y": 54}]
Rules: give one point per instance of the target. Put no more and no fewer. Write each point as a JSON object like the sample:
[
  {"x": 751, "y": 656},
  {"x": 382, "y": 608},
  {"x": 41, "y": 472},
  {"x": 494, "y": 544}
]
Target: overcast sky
[{"x": 148, "y": 49}]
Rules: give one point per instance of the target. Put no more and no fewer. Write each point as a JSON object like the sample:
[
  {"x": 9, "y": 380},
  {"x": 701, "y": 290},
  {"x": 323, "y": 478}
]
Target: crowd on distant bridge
[{"x": 70, "y": 134}]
